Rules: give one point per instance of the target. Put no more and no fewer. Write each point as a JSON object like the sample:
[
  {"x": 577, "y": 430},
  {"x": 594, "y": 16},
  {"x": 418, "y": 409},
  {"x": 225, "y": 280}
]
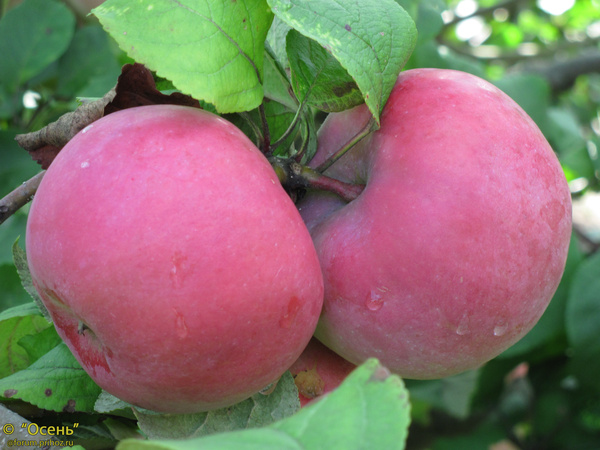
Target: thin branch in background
[
  {"x": 486, "y": 11},
  {"x": 19, "y": 197}
]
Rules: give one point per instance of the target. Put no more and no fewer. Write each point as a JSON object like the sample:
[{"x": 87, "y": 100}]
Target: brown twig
[
  {"x": 294, "y": 176},
  {"x": 19, "y": 197}
]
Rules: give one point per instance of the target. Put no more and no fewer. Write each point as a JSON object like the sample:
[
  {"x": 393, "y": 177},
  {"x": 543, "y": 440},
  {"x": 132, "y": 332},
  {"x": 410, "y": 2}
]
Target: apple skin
[
  {"x": 166, "y": 232},
  {"x": 458, "y": 242},
  {"x": 318, "y": 371}
]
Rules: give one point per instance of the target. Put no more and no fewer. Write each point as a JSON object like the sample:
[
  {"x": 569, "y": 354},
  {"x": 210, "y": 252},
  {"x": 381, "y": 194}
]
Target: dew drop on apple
[
  {"x": 463, "y": 325},
  {"x": 500, "y": 328},
  {"x": 181, "y": 326},
  {"x": 374, "y": 300}
]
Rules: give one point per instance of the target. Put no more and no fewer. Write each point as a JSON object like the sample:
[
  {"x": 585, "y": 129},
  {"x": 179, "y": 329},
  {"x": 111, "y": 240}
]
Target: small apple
[
  {"x": 457, "y": 243},
  {"x": 173, "y": 263},
  {"x": 318, "y": 371}
]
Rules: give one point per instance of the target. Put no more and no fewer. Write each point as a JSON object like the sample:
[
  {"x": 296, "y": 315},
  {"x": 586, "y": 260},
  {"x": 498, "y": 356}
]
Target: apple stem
[
  {"x": 368, "y": 128},
  {"x": 294, "y": 176},
  {"x": 347, "y": 191}
]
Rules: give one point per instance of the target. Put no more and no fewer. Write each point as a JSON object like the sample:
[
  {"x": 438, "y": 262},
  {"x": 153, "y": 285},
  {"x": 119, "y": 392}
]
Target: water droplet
[
  {"x": 85, "y": 164},
  {"x": 463, "y": 325},
  {"x": 292, "y": 310},
  {"x": 500, "y": 328},
  {"x": 180, "y": 326},
  {"x": 375, "y": 300}
]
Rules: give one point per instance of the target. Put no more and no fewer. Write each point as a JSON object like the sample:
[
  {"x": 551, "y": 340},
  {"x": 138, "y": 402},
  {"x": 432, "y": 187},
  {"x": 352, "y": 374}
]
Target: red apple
[
  {"x": 459, "y": 240},
  {"x": 318, "y": 371},
  {"x": 173, "y": 263}
]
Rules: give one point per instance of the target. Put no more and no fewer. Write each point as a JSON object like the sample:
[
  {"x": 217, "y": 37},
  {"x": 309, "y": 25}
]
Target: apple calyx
[{"x": 295, "y": 177}]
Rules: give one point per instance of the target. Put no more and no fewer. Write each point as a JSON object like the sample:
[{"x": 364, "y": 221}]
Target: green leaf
[
  {"x": 369, "y": 409},
  {"x": 12, "y": 293},
  {"x": 33, "y": 35},
  {"x": 254, "y": 439},
  {"x": 276, "y": 44},
  {"x": 452, "y": 395},
  {"x": 89, "y": 67},
  {"x": 279, "y": 118},
  {"x": 55, "y": 382},
  {"x": 484, "y": 436},
  {"x": 429, "y": 19},
  {"x": 582, "y": 319},
  {"x": 107, "y": 403},
  {"x": 16, "y": 166},
  {"x": 318, "y": 78},
  {"x": 257, "y": 411},
  {"x": 212, "y": 50},
  {"x": 13, "y": 357},
  {"x": 20, "y": 258},
  {"x": 277, "y": 86},
  {"x": 37, "y": 345},
  {"x": 25, "y": 309},
  {"x": 372, "y": 39}
]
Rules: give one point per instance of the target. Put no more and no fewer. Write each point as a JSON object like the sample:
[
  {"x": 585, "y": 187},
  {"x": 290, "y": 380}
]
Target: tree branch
[
  {"x": 19, "y": 197},
  {"x": 562, "y": 74}
]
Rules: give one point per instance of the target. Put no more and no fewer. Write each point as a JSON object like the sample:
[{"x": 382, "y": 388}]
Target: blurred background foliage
[{"x": 544, "y": 392}]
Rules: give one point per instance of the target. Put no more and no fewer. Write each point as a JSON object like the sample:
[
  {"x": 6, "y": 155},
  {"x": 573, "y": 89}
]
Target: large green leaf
[
  {"x": 582, "y": 319},
  {"x": 14, "y": 357},
  {"x": 372, "y": 39},
  {"x": 20, "y": 259},
  {"x": 33, "y": 35},
  {"x": 212, "y": 50},
  {"x": 318, "y": 78},
  {"x": 55, "y": 382},
  {"x": 89, "y": 67},
  {"x": 257, "y": 411},
  {"x": 369, "y": 410}
]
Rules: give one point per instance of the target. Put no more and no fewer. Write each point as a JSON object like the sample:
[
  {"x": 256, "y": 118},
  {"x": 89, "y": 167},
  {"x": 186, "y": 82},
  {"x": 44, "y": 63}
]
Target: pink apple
[
  {"x": 318, "y": 371},
  {"x": 173, "y": 263},
  {"x": 459, "y": 240}
]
